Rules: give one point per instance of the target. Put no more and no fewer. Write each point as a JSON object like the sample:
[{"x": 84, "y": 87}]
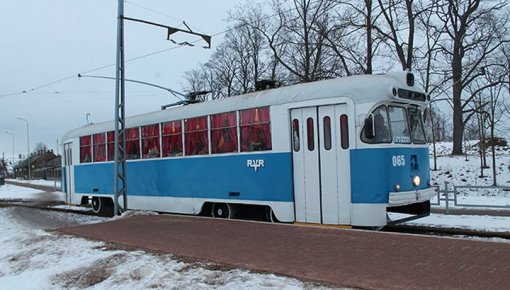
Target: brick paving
[{"x": 337, "y": 257}]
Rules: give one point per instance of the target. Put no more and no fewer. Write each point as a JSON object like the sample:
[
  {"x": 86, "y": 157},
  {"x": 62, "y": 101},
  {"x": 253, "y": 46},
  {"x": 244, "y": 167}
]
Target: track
[
  {"x": 414, "y": 230},
  {"x": 447, "y": 232}
]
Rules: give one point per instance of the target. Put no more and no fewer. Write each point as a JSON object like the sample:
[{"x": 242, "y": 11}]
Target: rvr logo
[{"x": 255, "y": 164}]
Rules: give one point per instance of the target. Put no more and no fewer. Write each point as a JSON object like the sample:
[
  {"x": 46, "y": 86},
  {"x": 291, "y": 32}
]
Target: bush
[{"x": 497, "y": 141}]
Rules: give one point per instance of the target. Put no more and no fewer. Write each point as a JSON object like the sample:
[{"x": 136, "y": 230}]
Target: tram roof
[{"x": 360, "y": 89}]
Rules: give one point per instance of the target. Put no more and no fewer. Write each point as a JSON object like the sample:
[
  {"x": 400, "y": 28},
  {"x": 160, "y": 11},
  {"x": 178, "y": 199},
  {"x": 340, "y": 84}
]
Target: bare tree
[
  {"x": 491, "y": 108},
  {"x": 294, "y": 41},
  {"x": 249, "y": 44},
  {"x": 40, "y": 147},
  {"x": 471, "y": 30},
  {"x": 353, "y": 21}
]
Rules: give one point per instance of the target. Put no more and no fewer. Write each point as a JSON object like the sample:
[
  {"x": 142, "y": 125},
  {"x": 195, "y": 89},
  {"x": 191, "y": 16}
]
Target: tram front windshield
[{"x": 394, "y": 124}]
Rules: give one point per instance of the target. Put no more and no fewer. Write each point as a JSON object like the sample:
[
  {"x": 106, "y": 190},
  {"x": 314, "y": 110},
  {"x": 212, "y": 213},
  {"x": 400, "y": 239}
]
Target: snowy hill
[{"x": 465, "y": 170}]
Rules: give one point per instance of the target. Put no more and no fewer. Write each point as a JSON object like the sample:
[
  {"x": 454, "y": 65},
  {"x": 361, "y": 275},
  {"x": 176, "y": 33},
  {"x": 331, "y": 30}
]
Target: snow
[
  {"x": 32, "y": 258},
  {"x": 40, "y": 182},
  {"x": 465, "y": 170},
  {"x": 471, "y": 222},
  {"x": 12, "y": 192}
]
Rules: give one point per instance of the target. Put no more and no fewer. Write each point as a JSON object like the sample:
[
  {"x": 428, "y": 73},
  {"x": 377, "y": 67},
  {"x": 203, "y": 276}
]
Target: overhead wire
[{"x": 128, "y": 60}]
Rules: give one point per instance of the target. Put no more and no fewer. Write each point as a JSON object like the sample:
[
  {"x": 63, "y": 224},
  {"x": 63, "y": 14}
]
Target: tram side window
[
  {"x": 295, "y": 135},
  {"x": 310, "y": 135},
  {"x": 110, "y": 145},
  {"x": 376, "y": 128},
  {"x": 85, "y": 149},
  {"x": 224, "y": 133},
  {"x": 399, "y": 125},
  {"x": 99, "y": 147},
  {"x": 255, "y": 126},
  {"x": 344, "y": 131},
  {"x": 133, "y": 143},
  {"x": 171, "y": 133},
  {"x": 327, "y": 132},
  {"x": 195, "y": 131},
  {"x": 150, "y": 141}
]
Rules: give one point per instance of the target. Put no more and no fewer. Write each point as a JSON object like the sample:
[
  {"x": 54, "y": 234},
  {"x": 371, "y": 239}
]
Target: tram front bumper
[{"x": 409, "y": 197}]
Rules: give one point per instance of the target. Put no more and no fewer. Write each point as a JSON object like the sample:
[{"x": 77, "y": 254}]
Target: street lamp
[
  {"x": 7, "y": 132},
  {"x": 28, "y": 145}
]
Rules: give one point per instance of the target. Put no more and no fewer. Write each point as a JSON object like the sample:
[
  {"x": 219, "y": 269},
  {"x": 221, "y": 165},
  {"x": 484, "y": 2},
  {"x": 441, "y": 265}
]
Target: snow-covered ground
[
  {"x": 40, "y": 182},
  {"x": 13, "y": 192},
  {"x": 32, "y": 258},
  {"x": 465, "y": 170}
]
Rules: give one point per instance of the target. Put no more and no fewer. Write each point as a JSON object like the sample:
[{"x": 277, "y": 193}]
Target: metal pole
[
  {"x": 447, "y": 199},
  {"x": 12, "y": 147},
  {"x": 28, "y": 146},
  {"x": 433, "y": 137},
  {"x": 119, "y": 152}
]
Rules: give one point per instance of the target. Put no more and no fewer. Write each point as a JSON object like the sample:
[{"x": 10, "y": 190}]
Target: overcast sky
[{"x": 46, "y": 41}]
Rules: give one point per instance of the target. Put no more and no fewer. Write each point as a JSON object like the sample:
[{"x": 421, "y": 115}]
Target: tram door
[
  {"x": 68, "y": 180},
  {"x": 320, "y": 143}
]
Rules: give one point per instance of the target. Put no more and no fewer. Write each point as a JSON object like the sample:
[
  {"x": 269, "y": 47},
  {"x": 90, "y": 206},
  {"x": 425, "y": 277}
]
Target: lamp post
[
  {"x": 28, "y": 146},
  {"x": 7, "y": 132}
]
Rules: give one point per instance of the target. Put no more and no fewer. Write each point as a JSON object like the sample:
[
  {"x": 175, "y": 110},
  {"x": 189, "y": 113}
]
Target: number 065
[{"x": 398, "y": 160}]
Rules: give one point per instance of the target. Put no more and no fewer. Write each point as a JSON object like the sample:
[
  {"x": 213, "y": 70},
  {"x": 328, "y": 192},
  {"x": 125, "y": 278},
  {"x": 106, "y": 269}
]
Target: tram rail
[{"x": 397, "y": 228}]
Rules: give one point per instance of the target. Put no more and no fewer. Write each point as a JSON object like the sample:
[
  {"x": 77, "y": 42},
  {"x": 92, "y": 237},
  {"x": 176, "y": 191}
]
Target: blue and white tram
[{"x": 342, "y": 151}]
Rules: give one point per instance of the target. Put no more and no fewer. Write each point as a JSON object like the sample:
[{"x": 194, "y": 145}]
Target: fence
[{"x": 481, "y": 197}]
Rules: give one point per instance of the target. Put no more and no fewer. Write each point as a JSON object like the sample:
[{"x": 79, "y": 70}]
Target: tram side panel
[{"x": 183, "y": 184}]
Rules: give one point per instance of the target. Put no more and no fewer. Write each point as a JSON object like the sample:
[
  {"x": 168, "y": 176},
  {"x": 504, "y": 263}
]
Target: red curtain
[
  {"x": 196, "y": 136},
  {"x": 99, "y": 147},
  {"x": 110, "y": 136},
  {"x": 150, "y": 141},
  {"x": 254, "y": 116},
  {"x": 255, "y": 129},
  {"x": 172, "y": 138},
  {"x": 224, "y": 133},
  {"x": 172, "y": 145},
  {"x": 133, "y": 143},
  {"x": 85, "y": 149}
]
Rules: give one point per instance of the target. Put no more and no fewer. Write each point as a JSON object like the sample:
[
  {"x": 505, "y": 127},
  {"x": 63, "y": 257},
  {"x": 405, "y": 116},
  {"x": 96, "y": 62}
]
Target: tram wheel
[
  {"x": 270, "y": 216},
  {"x": 222, "y": 210},
  {"x": 97, "y": 204}
]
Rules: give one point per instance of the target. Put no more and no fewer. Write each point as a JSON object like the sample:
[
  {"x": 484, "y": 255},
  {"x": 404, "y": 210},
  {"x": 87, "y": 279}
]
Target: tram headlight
[
  {"x": 416, "y": 181},
  {"x": 397, "y": 187}
]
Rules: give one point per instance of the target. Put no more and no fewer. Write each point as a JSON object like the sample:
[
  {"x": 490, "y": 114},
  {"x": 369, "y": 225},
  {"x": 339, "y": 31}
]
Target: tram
[{"x": 343, "y": 151}]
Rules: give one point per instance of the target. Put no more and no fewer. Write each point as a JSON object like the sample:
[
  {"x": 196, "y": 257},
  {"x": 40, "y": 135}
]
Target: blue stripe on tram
[{"x": 264, "y": 177}]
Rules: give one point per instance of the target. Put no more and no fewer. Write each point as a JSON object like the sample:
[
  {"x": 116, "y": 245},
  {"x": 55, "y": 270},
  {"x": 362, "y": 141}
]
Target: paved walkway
[{"x": 344, "y": 258}]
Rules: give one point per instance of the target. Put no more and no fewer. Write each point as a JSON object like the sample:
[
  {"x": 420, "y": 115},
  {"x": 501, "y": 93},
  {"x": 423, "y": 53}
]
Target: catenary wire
[{"x": 128, "y": 60}]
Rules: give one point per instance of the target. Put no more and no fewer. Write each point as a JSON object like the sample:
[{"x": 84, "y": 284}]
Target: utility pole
[
  {"x": 28, "y": 146},
  {"x": 12, "y": 134},
  {"x": 119, "y": 183},
  {"x": 120, "y": 179}
]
